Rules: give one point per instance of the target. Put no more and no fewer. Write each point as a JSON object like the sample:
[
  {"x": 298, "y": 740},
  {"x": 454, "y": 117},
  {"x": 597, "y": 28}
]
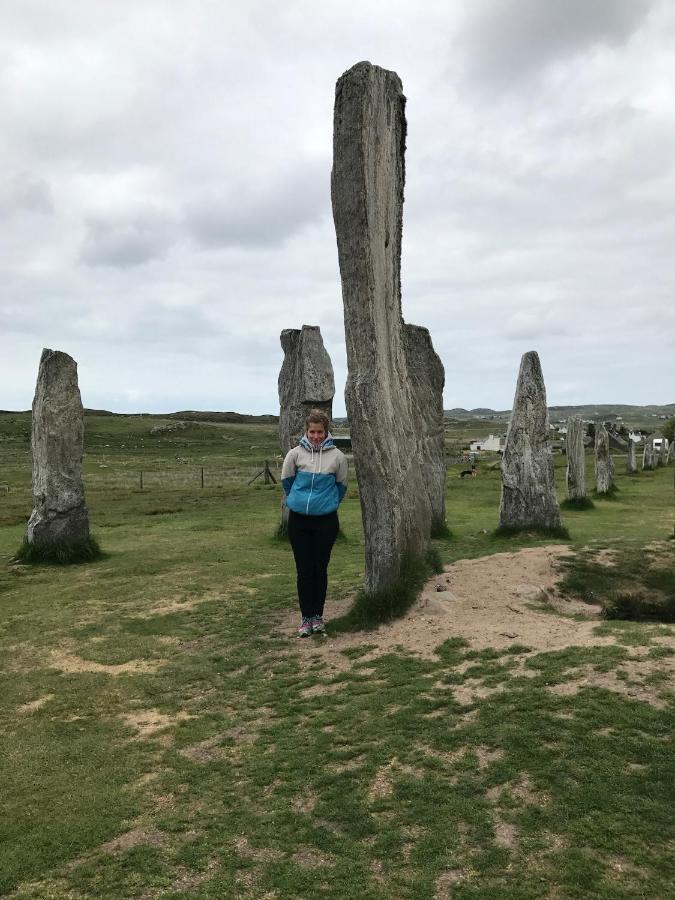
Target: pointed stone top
[{"x": 363, "y": 71}]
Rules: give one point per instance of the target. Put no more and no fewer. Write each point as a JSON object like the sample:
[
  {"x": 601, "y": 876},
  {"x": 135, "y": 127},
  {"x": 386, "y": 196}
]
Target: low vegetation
[{"x": 165, "y": 735}]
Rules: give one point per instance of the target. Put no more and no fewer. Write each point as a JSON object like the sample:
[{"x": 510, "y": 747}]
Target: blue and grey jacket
[{"x": 314, "y": 479}]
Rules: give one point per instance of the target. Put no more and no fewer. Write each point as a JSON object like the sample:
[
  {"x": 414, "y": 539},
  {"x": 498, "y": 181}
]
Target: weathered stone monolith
[
  {"x": 59, "y": 513},
  {"x": 662, "y": 458},
  {"x": 528, "y": 485},
  {"x": 631, "y": 461},
  {"x": 671, "y": 451},
  {"x": 647, "y": 456},
  {"x": 604, "y": 464},
  {"x": 427, "y": 380},
  {"x": 576, "y": 460},
  {"x": 306, "y": 382},
  {"x": 367, "y": 194}
]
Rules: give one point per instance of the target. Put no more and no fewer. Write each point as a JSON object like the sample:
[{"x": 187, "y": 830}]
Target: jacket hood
[{"x": 326, "y": 444}]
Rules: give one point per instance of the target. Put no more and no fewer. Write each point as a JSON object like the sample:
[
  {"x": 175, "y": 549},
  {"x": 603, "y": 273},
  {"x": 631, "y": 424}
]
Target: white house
[
  {"x": 635, "y": 436},
  {"x": 492, "y": 442}
]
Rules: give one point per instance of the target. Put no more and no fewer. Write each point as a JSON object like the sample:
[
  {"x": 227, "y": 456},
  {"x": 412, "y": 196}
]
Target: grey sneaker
[
  {"x": 305, "y": 629},
  {"x": 318, "y": 625}
]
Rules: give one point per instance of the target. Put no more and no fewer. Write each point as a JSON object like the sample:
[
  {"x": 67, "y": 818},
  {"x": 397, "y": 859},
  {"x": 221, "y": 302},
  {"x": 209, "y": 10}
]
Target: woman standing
[{"x": 314, "y": 479}]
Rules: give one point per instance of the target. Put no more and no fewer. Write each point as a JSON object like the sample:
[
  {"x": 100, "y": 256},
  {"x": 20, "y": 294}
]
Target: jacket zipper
[{"x": 312, "y": 484}]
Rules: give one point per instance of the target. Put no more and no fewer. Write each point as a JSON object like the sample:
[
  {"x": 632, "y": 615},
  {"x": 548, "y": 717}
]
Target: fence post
[
  {"x": 141, "y": 480},
  {"x": 202, "y": 476}
]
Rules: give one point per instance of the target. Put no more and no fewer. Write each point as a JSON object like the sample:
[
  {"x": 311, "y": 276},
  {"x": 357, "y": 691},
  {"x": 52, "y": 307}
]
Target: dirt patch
[
  {"x": 304, "y": 804},
  {"x": 312, "y": 858},
  {"x": 383, "y": 783},
  {"x": 506, "y": 835},
  {"x": 493, "y": 601},
  {"x": 72, "y": 664},
  {"x": 632, "y": 679},
  {"x": 32, "y": 705},
  {"x": 319, "y": 690},
  {"x": 148, "y": 722},
  {"x": 446, "y": 881},
  {"x": 135, "y": 838},
  {"x": 259, "y": 854},
  {"x": 487, "y": 756}
]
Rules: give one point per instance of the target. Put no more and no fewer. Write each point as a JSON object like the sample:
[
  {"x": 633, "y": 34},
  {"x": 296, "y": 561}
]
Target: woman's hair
[{"x": 317, "y": 416}]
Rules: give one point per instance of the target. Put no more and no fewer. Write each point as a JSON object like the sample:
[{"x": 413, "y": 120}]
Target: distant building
[{"x": 492, "y": 442}]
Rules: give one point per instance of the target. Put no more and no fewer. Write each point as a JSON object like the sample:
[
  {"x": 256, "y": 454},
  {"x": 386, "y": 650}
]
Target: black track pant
[{"x": 312, "y": 539}]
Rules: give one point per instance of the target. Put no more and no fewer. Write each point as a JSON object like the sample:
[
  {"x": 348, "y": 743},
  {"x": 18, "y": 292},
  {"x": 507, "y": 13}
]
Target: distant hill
[
  {"x": 598, "y": 412},
  {"x": 192, "y": 415}
]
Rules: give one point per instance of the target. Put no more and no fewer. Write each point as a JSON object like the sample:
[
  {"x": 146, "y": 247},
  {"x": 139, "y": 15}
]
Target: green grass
[
  {"x": 158, "y": 694},
  {"x": 67, "y": 553},
  {"x": 577, "y": 503}
]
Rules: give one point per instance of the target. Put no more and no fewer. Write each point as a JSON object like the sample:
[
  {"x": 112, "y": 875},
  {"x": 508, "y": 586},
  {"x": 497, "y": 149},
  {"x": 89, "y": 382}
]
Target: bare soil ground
[{"x": 493, "y": 601}]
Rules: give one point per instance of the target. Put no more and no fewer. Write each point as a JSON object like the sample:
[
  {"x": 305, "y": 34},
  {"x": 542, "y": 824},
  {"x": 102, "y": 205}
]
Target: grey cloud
[
  {"x": 510, "y": 40},
  {"x": 25, "y": 192},
  {"x": 261, "y": 211},
  {"x": 126, "y": 244}
]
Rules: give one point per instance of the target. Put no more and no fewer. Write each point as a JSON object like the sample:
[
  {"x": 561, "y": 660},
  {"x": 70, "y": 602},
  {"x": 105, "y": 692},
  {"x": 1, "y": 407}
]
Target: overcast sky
[{"x": 165, "y": 193}]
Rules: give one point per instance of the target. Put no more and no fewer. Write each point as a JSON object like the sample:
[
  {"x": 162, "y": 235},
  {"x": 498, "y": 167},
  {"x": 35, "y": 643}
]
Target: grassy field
[{"x": 164, "y": 734}]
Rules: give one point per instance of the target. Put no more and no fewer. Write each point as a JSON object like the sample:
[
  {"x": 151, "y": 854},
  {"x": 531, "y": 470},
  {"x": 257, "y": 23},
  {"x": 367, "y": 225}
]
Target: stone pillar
[
  {"x": 647, "y": 456},
  {"x": 427, "y": 380},
  {"x": 604, "y": 464},
  {"x": 631, "y": 462},
  {"x": 367, "y": 195},
  {"x": 663, "y": 452},
  {"x": 576, "y": 460},
  {"x": 671, "y": 451},
  {"x": 59, "y": 513},
  {"x": 528, "y": 485},
  {"x": 306, "y": 382}
]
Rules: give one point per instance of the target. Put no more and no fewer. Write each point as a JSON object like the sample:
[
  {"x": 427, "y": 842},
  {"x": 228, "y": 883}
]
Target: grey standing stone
[
  {"x": 528, "y": 485},
  {"x": 59, "y": 513},
  {"x": 306, "y": 381},
  {"x": 576, "y": 460},
  {"x": 663, "y": 452},
  {"x": 631, "y": 461},
  {"x": 367, "y": 195},
  {"x": 427, "y": 380},
  {"x": 604, "y": 464},
  {"x": 671, "y": 451},
  {"x": 647, "y": 456}
]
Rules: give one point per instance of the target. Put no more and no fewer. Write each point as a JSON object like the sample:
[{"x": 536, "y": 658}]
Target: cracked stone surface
[
  {"x": 57, "y": 439},
  {"x": 388, "y": 444},
  {"x": 528, "y": 486}
]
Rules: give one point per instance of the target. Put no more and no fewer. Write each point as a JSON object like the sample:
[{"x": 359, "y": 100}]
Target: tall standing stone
[
  {"x": 647, "y": 456},
  {"x": 604, "y": 464},
  {"x": 367, "y": 194},
  {"x": 59, "y": 513},
  {"x": 663, "y": 452},
  {"x": 576, "y": 460},
  {"x": 528, "y": 485},
  {"x": 671, "y": 451},
  {"x": 306, "y": 382},
  {"x": 427, "y": 380},
  {"x": 631, "y": 461}
]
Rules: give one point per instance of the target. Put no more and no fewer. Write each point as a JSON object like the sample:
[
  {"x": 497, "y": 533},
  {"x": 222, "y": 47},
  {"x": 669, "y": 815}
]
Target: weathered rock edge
[
  {"x": 306, "y": 381},
  {"x": 604, "y": 464},
  {"x": 59, "y": 513},
  {"x": 367, "y": 185},
  {"x": 576, "y": 460},
  {"x": 528, "y": 498}
]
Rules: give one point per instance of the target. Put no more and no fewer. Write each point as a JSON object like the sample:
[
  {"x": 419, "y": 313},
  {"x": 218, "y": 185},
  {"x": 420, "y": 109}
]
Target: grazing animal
[{"x": 471, "y": 472}]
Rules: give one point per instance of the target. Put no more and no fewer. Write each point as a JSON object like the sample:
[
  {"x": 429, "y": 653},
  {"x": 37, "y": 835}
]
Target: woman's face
[{"x": 316, "y": 434}]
